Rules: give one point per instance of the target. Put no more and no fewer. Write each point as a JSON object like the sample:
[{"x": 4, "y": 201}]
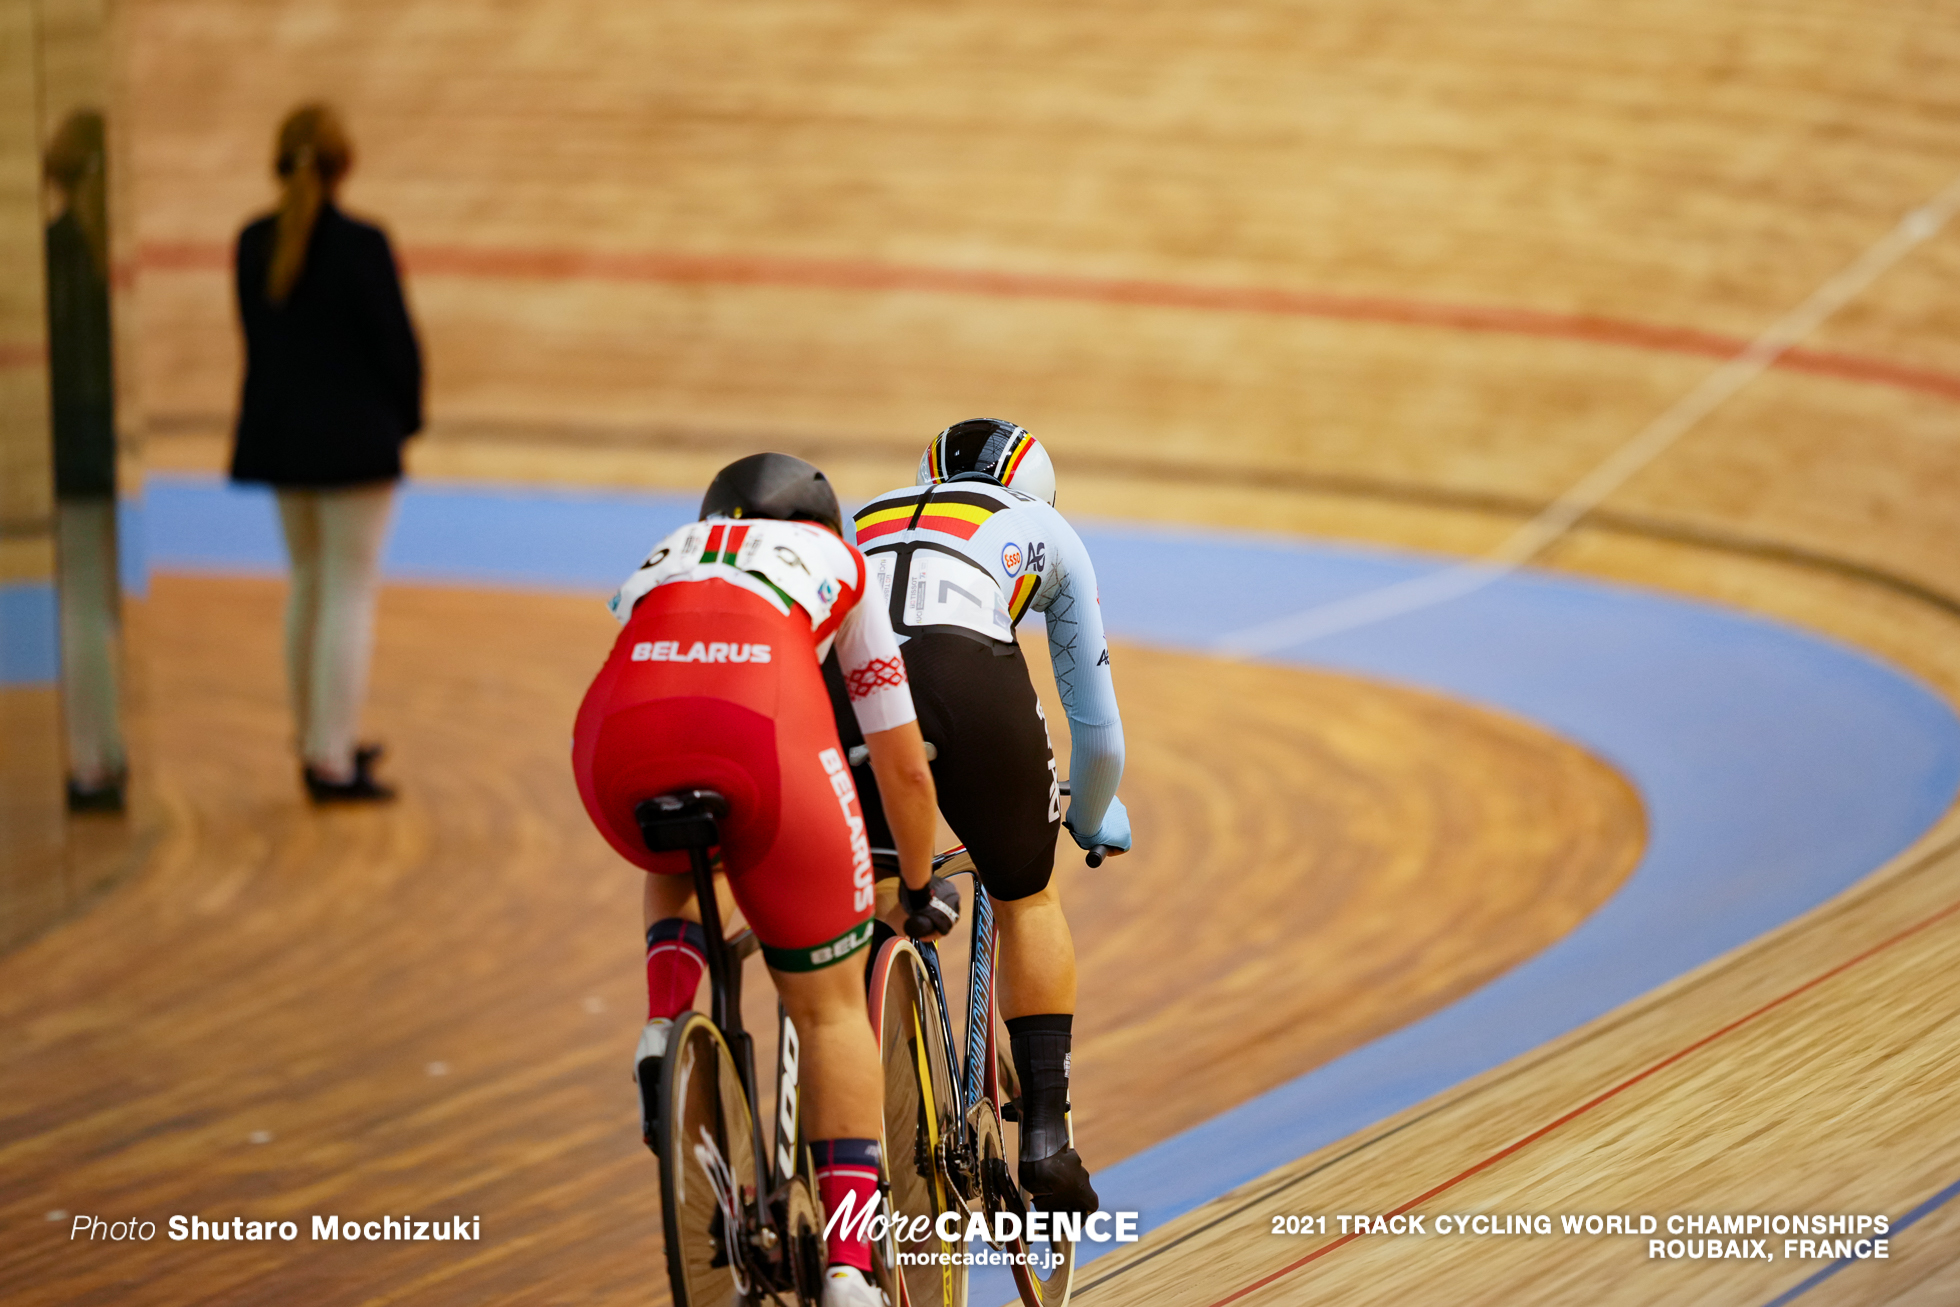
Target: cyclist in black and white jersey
[{"x": 962, "y": 557}]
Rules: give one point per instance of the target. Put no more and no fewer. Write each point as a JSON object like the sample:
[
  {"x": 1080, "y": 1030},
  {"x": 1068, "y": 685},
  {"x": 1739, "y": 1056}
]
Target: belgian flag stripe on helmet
[{"x": 1018, "y": 451}]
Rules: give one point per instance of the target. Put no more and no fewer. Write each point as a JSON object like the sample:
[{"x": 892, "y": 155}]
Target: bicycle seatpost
[{"x": 689, "y": 820}]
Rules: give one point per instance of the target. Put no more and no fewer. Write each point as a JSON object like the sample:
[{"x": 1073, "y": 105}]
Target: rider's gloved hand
[
  {"x": 1114, "y": 833},
  {"x": 931, "y": 911}
]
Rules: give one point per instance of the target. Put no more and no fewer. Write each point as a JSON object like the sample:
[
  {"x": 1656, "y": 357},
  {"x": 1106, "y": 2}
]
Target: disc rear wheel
[
  {"x": 802, "y": 1226},
  {"x": 707, "y": 1166}
]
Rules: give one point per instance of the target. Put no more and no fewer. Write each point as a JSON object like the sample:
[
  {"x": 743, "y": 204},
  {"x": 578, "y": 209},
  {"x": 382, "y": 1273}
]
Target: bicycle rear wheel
[
  {"x": 921, "y": 1114},
  {"x": 707, "y": 1166},
  {"x": 1045, "y": 1275},
  {"x": 801, "y": 1222}
]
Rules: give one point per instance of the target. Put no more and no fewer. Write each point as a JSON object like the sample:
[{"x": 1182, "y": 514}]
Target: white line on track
[{"x": 1565, "y": 512}]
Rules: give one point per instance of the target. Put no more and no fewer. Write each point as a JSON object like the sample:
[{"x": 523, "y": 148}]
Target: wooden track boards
[
  {"x": 1692, "y": 170},
  {"x": 304, "y": 973},
  {"x": 1696, "y": 168},
  {"x": 1810, "y": 1073}
]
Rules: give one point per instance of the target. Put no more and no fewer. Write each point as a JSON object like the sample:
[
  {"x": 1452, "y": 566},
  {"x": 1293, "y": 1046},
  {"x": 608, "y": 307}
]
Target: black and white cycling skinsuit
[{"x": 960, "y": 563}]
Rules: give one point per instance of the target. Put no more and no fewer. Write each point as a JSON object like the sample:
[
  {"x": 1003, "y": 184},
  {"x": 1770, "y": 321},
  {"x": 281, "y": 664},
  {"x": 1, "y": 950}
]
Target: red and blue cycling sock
[
  {"x": 677, "y": 954},
  {"x": 847, "y": 1185}
]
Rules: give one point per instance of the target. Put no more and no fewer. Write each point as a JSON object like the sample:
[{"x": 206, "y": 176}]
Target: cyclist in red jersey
[{"x": 716, "y": 683}]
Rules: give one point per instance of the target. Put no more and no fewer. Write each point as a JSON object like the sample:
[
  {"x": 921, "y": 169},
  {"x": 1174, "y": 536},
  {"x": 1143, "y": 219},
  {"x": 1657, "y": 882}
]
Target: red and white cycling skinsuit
[{"x": 716, "y": 683}]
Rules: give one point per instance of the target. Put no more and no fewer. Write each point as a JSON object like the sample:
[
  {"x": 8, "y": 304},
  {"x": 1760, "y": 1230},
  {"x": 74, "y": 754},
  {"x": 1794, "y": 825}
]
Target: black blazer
[
  {"x": 81, "y": 366},
  {"x": 333, "y": 378}
]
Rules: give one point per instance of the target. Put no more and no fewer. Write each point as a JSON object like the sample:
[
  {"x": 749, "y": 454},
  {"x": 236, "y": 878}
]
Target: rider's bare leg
[
  {"x": 1037, "y": 955},
  {"x": 673, "y": 896},
  {"x": 843, "y": 1093},
  {"x": 843, "y": 1085},
  {"x": 676, "y": 956}
]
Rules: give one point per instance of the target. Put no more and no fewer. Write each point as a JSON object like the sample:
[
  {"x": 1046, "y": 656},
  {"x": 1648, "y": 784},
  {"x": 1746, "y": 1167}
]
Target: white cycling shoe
[
  {"x": 646, "y": 1074},
  {"x": 846, "y": 1286}
]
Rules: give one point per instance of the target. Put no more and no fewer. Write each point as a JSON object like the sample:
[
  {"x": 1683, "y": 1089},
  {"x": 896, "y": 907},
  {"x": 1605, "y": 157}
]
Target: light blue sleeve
[{"x": 1080, "y": 652}]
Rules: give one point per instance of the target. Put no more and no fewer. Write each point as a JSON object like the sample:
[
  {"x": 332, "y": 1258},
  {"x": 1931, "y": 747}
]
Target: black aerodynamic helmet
[
  {"x": 1000, "y": 451},
  {"x": 773, "y": 485}
]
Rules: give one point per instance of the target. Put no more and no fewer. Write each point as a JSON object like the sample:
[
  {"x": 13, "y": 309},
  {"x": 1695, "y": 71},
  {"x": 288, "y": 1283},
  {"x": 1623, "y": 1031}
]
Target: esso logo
[{"x": 1010, "y": 558}]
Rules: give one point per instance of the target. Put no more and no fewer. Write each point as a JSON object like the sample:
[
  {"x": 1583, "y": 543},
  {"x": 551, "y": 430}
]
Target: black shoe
[
  {"x": 366, "y": 755},
  {"x": 1059, "y": 1183},
  {"x": 103, "y": 796},
  {"x": 362, "y": 789}
]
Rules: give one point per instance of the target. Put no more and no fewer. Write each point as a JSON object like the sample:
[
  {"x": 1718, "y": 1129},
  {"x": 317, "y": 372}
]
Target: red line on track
[
  {"x": 1590, "y": 1104},
  {"x": 860, "y": 275}
]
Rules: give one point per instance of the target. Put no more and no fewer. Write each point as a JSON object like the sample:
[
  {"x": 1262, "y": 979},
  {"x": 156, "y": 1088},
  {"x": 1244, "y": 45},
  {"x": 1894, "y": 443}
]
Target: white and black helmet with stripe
[{"x": 990, "y": 448}]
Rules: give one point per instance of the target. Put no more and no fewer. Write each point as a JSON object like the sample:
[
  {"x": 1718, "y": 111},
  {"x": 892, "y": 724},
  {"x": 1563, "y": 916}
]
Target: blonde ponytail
[{"x": 311, "y": 156}]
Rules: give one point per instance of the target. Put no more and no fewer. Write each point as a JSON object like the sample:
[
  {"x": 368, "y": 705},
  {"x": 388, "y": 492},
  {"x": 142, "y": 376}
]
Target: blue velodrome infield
[{"x": 1777, "y": 767}]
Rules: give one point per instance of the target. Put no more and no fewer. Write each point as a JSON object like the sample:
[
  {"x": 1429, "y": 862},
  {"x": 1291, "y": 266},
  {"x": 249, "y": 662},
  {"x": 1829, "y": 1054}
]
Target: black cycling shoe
[
  {"x": 647, "y": 1059},
  {"x": 1059, "y": 1183}
]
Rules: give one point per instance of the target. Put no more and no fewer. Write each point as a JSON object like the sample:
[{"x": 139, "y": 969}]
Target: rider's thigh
[{"x": 996, "y": 770}]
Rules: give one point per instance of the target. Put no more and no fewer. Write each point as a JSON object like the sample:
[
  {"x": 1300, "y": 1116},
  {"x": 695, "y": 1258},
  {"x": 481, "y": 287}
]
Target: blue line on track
[
  {"x": 30, "y": 642},
  {"x": 1898, "y": 1227},
  {"x": 1777, "y": 767}
]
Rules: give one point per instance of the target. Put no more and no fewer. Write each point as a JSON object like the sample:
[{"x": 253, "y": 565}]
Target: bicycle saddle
[{"x": 684, "y": 819}]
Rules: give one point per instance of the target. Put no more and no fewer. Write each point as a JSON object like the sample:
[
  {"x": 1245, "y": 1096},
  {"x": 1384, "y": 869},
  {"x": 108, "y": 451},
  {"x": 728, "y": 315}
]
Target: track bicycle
[
  {"x": 742, "y": 1225},
  {"x": 944, "y": 1149}
]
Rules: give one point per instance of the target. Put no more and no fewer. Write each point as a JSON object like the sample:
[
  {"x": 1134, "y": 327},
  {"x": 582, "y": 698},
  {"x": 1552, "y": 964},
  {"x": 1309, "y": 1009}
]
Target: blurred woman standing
[
  {"x": 82, "y": 387},
  {"x": 333, "y": 387}
]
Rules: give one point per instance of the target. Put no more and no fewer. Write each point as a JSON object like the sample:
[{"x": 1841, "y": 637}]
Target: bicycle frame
[
  {"x": 725, "y": 1010},
  {"x": 771, "y": 1239},
  {"x": 974, "y": 1051}
]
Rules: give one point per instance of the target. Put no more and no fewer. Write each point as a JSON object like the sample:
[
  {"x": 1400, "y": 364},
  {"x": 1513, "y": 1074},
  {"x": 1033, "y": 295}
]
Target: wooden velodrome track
[{"x": 1383, "y": 272}]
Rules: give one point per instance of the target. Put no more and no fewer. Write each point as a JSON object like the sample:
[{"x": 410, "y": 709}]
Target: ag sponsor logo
[
  {"x": 1010, "y": 558},
  {"x": 715, "y": 651},
  {"x": 1037, "y": 555}
]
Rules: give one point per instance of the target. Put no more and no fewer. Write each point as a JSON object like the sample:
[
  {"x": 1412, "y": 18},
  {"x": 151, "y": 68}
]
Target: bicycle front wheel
[
  {"x": 921, "y": 1116},
  {"x": 707, "y": 1166}
]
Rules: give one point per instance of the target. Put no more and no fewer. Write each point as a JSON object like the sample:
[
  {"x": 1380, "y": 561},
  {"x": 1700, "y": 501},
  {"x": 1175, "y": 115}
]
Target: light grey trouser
[
  {"x": 85, "y": 544},
  {"x": 334, "y": 539}
]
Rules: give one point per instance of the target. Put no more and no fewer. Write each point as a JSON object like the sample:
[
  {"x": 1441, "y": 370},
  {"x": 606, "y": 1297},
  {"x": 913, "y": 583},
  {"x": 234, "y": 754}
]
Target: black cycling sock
[{"x": 1041, "y": 1059}]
